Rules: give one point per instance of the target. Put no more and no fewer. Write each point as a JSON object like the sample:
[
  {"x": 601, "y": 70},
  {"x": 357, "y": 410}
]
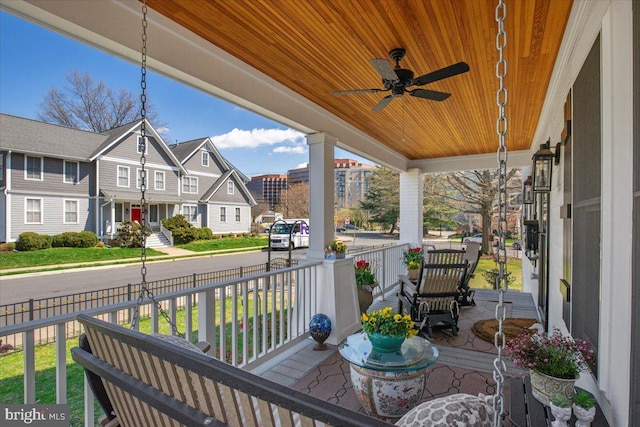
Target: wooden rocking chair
[
  {"x": 434, "y": 299},
  {"x": 472, "y": 256}
]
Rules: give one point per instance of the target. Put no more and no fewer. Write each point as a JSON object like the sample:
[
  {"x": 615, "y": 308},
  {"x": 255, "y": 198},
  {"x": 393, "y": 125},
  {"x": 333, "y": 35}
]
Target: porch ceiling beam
[{"x": 516, "y": 159}]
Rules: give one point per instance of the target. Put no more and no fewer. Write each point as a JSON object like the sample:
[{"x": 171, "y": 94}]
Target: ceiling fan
[{"x": 398, "y": 79}]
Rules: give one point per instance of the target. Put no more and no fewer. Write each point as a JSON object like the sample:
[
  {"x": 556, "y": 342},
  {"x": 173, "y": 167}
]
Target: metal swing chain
[
  {"x": 144, "y": 289},
  {"x": 501, "y": 256}
]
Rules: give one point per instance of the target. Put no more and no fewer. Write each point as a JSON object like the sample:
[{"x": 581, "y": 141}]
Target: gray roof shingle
[{"x": 31, "y": 136}]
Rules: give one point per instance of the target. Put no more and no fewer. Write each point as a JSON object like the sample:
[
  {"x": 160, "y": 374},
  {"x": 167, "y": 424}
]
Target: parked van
[{"x": 299, "y": 237}]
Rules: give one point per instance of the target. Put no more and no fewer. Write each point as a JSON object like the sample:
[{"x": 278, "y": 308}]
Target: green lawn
[
  {"x": 514, "y": 266},
  {"x": 57, "y": 256},
  {"x": 225, "y": 243}
]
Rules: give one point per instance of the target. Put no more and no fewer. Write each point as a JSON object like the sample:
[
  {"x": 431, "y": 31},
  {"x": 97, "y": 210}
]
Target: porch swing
[{"x": 143, "y": 400}]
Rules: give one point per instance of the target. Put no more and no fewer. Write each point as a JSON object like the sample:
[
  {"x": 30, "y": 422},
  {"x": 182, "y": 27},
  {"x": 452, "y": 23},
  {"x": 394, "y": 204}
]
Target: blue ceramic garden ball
[{"x": 320, "y": 323}]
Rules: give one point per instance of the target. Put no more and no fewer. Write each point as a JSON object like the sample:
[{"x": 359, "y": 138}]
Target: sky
[{"x": 34, "y": 59}]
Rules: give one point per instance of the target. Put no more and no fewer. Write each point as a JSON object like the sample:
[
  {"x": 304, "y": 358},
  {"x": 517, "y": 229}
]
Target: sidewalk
[{"x": 170, "y": 251}]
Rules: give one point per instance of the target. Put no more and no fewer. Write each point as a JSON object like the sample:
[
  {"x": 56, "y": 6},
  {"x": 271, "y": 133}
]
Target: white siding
[
  {"x": 230, "y": 225},
  {"x": 3, "y": 216}
]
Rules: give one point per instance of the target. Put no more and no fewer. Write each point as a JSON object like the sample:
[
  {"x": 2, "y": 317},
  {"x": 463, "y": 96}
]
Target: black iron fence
[{"x": 41, "y": 308}]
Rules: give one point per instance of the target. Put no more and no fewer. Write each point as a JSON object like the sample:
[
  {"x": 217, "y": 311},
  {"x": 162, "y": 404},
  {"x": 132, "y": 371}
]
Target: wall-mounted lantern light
[
  {"x": 527, "y": 191},
  {"x": 542, "y": 166}
]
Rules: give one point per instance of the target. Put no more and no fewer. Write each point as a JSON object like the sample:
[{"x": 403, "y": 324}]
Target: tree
[
  {"x": 92, "y": 106},
  {"x": 382, "y": 199},
  {"x": 437, "y": 212},
  {"x": 475, "y": 192},
  {"x": 294, "y": 201}
]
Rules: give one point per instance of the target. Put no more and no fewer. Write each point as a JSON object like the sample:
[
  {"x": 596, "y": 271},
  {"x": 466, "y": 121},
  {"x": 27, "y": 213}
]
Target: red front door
[{"x": 136, "y": 214}]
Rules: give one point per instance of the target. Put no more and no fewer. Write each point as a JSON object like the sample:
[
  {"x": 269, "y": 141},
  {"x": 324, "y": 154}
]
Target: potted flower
[
  {"x": 335, "y": 250},
  {"x": 412, "y": 259},
  {"x": 387, "y": 330},
  {"x": 365, "y": 281},
  {"x": 584, "y": 406},
  {"x": 561, "y": 409},
  {"x": 554, "y": 361}
]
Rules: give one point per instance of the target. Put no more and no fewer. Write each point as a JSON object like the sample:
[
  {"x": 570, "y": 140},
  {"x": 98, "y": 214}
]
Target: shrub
[
  {"x": 176, "y": 222},
  {"x": 183, "y": 236},
  {"x": 130, "y": 234},
  {"x": 88, "y": 239},
  {"x": 30, "y": 241},
  {"x": 204, "y": 233},
  {"x": 7, "y": 247},
  {"x": 100, "y": 244},
  {"x": 74, "y": 239}
]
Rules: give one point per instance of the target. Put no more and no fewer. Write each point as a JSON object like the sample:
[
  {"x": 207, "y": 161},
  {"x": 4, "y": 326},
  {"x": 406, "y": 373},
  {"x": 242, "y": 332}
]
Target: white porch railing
[{"x": 247, "y": 321}]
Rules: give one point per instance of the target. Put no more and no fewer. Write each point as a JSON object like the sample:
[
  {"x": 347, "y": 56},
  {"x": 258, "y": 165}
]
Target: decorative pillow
[{"x": 459, "y": 410}]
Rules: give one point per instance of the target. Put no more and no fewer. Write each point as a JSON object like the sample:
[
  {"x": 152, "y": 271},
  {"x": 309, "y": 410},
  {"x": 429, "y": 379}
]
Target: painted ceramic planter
[
  {"x": 387, "y": 395},
  {"x": 365, "y": 299},
  {"x": 414, "y": 273},
  {"x": 543, "y": 387},
  {"x": 385, "y": 343}
]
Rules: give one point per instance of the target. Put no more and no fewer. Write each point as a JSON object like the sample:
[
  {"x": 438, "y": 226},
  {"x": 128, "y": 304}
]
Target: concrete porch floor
[{"x": 465, "y": 364}]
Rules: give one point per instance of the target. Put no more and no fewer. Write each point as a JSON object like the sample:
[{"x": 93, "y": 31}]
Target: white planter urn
[
  {"x": 584, "y": 416},
  {"x": 562, "y": 415}
]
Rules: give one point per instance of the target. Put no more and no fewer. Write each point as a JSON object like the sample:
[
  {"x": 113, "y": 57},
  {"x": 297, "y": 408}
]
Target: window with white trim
[
  {"x": 33, "y": 168},
  {"x": 190, "y": 184},
  {"x": 70, "y": 212},
  {"x": 123, "y": 176},
  {"x": 190, "y": 212},
  {"x": 205, "y": 158},
  {"x": 71, "y": 172},
  {"x": 237, "y": 214},
  {"x": 140, "y": 144},
  {"x": 158, "y": 182},
  {"x": 230, "y": 187},
  {"x": 223, "y": 214},
  {"x": 33, "y": 211}
]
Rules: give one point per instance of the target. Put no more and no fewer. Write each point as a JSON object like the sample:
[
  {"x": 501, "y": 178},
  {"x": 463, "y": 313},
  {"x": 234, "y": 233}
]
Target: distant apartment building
[
  {"x": 268, "y": 188},
  {"x": 350, "y": 181}
]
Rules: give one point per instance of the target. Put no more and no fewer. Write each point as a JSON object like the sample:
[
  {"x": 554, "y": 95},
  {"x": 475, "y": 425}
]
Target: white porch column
[
  {"x": 321, "y": 193},
  {"x": 411, "y": 206},
  {"x": 336, "y": 289}
]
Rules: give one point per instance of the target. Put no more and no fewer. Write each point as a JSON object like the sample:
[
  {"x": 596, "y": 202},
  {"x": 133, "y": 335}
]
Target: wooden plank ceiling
[{"x": 318, "y": 46}]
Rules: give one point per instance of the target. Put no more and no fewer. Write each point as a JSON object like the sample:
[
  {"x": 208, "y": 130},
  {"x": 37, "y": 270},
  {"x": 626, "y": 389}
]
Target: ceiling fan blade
[
  {"x": 383, "y": 68},
  {"x": 347, "y": 92},
  {"x": 383, "y": 103},
  {"x": 429, "y": 94},
  {"x": 442, "y": 73}
]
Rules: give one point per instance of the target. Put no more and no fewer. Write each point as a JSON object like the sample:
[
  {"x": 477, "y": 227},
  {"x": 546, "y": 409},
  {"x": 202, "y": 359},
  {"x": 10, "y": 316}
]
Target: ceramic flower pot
[
  {"x": 414, "y": 273},
  {"x": 562, "y": 415},
  {"x": 383, "y": 343},
  {"x": 584, "y": 416},
  {"x": 543, "y": 387}
]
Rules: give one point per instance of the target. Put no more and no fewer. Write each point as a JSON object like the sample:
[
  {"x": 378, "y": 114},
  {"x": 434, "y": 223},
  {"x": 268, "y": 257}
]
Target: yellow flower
[
  {"x": 398, "y": 318},
  {"x": 365, "y": 318}
]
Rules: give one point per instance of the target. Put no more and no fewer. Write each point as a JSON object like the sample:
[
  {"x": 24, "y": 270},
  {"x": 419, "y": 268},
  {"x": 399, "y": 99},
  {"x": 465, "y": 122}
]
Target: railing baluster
[
  {"x": 29, "y": 346},
  {"x": 61, "y": 363}
]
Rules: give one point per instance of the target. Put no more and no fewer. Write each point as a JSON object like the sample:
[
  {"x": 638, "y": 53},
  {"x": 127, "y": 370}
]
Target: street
[{"x": 57, "y": 283}]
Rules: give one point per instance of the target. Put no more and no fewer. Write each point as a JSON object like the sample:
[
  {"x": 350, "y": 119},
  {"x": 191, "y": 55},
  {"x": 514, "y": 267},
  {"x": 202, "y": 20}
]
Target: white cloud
[
  {"x": 296, "y": 149},
  {"x": 238, "y": 138},
  {"x": 163, "y": 130}
]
